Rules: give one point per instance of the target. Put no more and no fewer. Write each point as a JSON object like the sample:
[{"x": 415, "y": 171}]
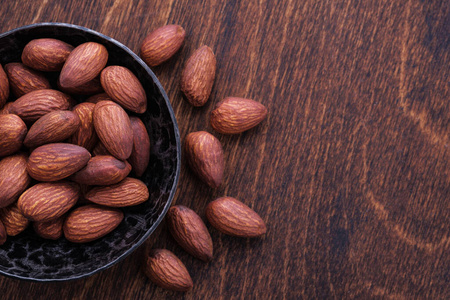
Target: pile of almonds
[
  {"x": 65, "y": 166},
  {"x": 205, "y": 157}
]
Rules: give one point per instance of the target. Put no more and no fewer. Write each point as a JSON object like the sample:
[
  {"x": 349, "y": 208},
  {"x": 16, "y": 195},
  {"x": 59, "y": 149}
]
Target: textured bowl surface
[{"x": 28, "y": 256}]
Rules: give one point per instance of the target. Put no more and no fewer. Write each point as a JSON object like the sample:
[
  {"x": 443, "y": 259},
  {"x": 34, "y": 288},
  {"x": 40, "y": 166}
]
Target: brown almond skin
[
  {"x": 167, "y": 271},
  {"x": 140, "y": 155},
  {"x": 91, "y": 87},
  {"x": 13, "y": 220},
  {"x": 3, "y": 234},
  {"x": 4, "y": 87},
  {"x": 14, "y": 178},
  {"x": 204, "y": 155},
  {"x": 100, "y": 149},
  {"x": 161, "y": 44},
  {"x": 23, "y": 79},
  {"x": 84, "y": 63},
  {"x": 197, "y": 77},
  {"x": 99, "y": 97},
  {"x": 235, "y": 115},
  {"x": 6, "y": 109},
  {"x": 128, "y": 192},
  {"x": 56, "y": 126},
  {"x": 48, "y": 200},
  {"x": 34, "y": 105},
  {"x": 53, "y": 162},
  {"x": 12, "y": 133},
  {"x": 113, "y": 127},
  {"x": 124, "y": 88},
  {"x": 46, "y": 54},
  {"x": 90, "y": 222},
  {"x": 190, "y": 232},
  {"x": 50, "y": 230},
  {"x": 232, "y": 217},
  {"x": 102, "y": 170},
  {"x": 85, "y": 136}
]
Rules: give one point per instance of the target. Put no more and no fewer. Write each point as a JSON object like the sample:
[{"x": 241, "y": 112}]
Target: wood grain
[{"x": 350, "y": 171}]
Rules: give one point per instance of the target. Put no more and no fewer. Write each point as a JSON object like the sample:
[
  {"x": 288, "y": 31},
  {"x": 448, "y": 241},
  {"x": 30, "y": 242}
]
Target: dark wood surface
[{"x": 350, "y": 171}]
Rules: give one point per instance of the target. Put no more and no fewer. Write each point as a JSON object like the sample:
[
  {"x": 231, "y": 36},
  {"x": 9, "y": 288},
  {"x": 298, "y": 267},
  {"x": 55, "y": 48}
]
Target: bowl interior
[{"x": 28, "y": 256}]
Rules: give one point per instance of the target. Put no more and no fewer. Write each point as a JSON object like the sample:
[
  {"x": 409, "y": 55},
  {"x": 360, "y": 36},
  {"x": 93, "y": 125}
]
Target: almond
[
  {"x": 140, "y": 155},
  {"x": 56, "y": 126},
  {"x": 13, "y": 220},
  {"x": 190, "y": 232},
  {"x": 48, "y": 200},
  {"x": 99, "y": 97},
  {"x": 91, "y": 87},
  {"x": 235, "y": 115},
  {"x": 85, "y": 136},
  {"x": 12, "y": 132},
  {"x": 90, "y": 222},
  {"x": 4, "y": 87},
  {"x": 6, "y": 109},
  {"x": 113, "y": 128},
  {"x": 34, "y": 105},
  {"x": 100, "y": 149},
  {"x": 204, "y": 155},
  {"x": 84, "y": 63},
  {"x": 14, "y": 178},
  {"x": 128, "y": 192},
  {"x": 52, "y": 162},
  {"x": 46, "y": 54},
  {"x": 232, "y": 217},
  {"x": 162, "y": 44},
  {"x": 197, "y": 77},
  {"x": 23, "y": 79},
  {"x": 124, "y": 88},
  {"x": 3, "y": 234},
  {"x": 167, "y": 271},
  {"x": 102, "y": 170},
  {"x": 51, "y": 230}
]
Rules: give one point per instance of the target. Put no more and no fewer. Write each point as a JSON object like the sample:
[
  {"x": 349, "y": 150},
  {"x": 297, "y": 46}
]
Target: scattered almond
[
  {"x": 13, "y": 220},
  {"x": 46, "y": 54},
  {"x": 140, "y": 155},
  {"x": 12, "y": 133},
  {"x": 14, "y": 178},
  {"x": 51, "y": 230},
  {"x": 166, "y": 270},
  {"x": 23, "y": 79},
  {"x": 197, "y": 77}
]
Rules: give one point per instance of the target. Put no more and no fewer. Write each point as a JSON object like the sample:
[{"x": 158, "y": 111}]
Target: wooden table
[{"x": 350, "y": 171}]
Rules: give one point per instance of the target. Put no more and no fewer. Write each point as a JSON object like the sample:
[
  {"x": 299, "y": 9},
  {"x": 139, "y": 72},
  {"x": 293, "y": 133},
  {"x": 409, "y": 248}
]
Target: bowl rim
[{"x": 177, "y": 139}]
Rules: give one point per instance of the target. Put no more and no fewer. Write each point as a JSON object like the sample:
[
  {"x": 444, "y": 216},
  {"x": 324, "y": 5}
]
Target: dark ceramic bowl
[{"x": 27, "y": 256}]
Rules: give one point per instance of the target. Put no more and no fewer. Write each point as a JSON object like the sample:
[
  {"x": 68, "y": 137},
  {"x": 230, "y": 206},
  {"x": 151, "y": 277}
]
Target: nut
[
  {"x": 14, "y": 178},
  {"x": 90, "y": 222},
  {"x": 51, "y": 230},
  {"x": 167, "y": 271},
  {"x": 88, "y": 88},
  {"x": 162, "y": 44},
  {"x": 140, "y": 155},
  {"x": 204, "y": 155},
  {"x": 3, "y": 234},
  {"x": 23, "y": 79},
  {"x": 232, "y": 217},
  {"x": 128, "y": 192},
  {"x": 102, "y": 170},
  {"x": 12, "y": 132},
  {"x": 52, "y": 162},
  {"x": 84, "y": 63},
  {"x": 56, "y": 126},
  {"x": 13, "y": 220},
  {"x": 48, "y": 200},
  {"x": 113, "y": 128},
  {"x": 235, "y": 115},
  {"x": 46, "y": 54},
  {"x": 124, "y": 88},
  {"x": 197, "y": 77},
  {"x": 190, "y": 232},
  {"x": 35, "y": 104},
  {"x": 4, "y": 87},
  {"x": 85, "y": 135}
]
